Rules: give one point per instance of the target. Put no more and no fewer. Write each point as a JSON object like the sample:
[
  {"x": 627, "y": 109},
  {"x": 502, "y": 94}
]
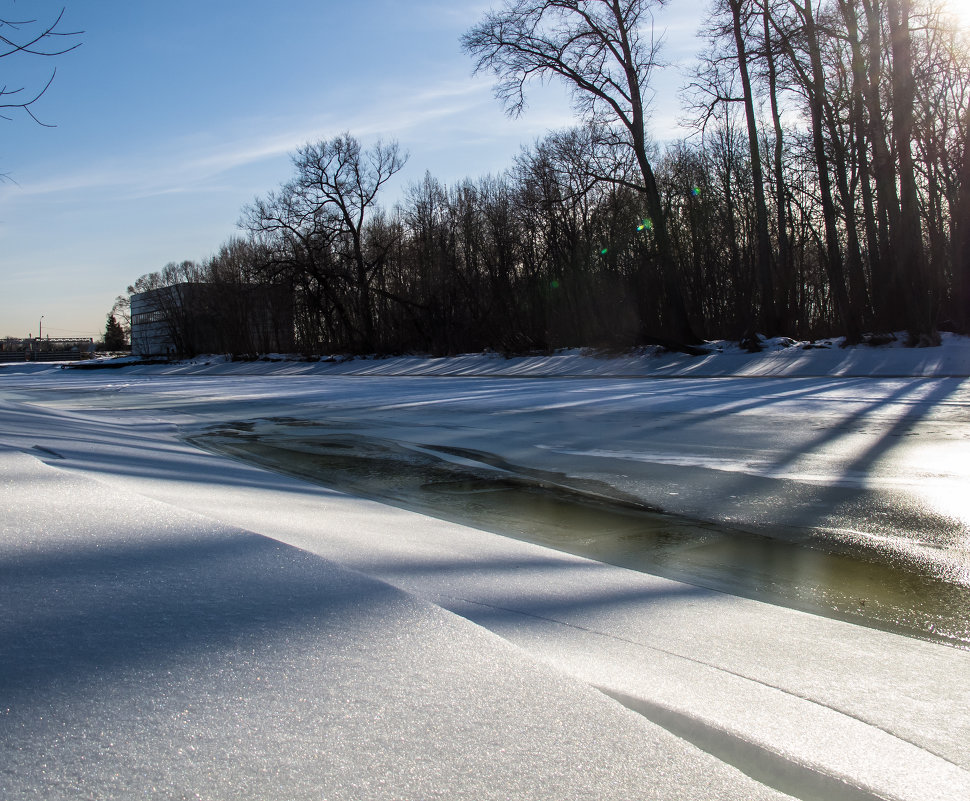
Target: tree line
[{"x": 824, "y": 190}]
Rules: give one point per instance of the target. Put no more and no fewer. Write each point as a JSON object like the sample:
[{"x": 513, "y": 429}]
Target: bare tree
[
  {"x": 30, "y": 38},
  {"x": 605, "y": 51},
  {"x": 794, "y": 35},
  {"x": 921, "y": 322},
  {"x": 741, "y": 17},
  {"x": 961, "y": 226},
  {"x": 785, "y": 261},
  {"x": 340, "y": 182},
  {"x": 318, "y": 225},
  {"x": 734, "y": 41}
]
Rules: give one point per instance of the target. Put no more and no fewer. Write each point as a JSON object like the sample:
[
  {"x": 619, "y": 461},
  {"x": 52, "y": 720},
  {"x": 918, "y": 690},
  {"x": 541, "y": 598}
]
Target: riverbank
[{"x": 781, "y": 357}]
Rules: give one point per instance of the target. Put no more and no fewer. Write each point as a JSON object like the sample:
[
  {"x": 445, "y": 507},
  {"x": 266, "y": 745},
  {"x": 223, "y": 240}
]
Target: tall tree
[
  {"x": 731, "y": 59},
  {"x": 813, "y": 82},
  {"x": 601, "y": 50},
  {"x": 785, "y": 262},
  {"x": 861, "y": 135},
  {"x": 740, "y": 18},
  {"x": 889, "y": 294},
  {"x": 912, "y": 256},
  {"x": 318, "y": 224}
]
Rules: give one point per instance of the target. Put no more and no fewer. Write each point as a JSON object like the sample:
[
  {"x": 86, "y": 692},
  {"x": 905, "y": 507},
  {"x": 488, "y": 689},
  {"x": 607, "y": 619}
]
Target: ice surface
[
  {"x": 177, "y": 623},
  {"x": 152, "y": 652}
]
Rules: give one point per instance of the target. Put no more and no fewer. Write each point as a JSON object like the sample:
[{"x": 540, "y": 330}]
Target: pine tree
[{"x": 114, "y": 335}]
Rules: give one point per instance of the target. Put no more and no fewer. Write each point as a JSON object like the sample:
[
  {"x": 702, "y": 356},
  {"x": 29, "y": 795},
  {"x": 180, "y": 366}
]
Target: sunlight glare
[
  {"x": 960, "y": 11},
  {"x": 942, "y": 472}
]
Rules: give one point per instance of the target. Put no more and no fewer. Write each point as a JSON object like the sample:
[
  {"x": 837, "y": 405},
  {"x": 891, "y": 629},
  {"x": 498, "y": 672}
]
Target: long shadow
[
  {"x": 695, "y": 416},
  {"x": 88, "y": 612},
  {"x": 836, "y": 431},
  {"x": 596, "y": 406},
  {"x": 606, "y": 391},
  {"x": 865, "y": 460},
  {"x": 912, "y": 414},
  {"x": 85, "y": 612},
  {"x": 751, "y": 402}
]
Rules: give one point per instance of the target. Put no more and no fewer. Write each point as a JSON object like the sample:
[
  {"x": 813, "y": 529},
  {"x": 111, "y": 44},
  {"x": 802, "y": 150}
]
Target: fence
[
  {"x": 7, "y": 357},
  {"x": 45, "y": 350}
]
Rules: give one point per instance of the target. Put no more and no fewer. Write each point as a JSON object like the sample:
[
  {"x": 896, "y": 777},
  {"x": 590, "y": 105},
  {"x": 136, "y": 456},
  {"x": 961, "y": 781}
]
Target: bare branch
[{"x": 40, "y": 43}]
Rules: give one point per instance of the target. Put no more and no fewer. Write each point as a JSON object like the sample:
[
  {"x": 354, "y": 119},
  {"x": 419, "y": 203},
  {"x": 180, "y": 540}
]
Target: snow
[
  {"x": 179, "y": 624},
  {"x": 780, "y": 356},
  {"x": 152, "y": 652}
]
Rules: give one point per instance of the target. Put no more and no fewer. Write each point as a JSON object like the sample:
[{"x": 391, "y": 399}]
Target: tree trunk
[
  {"x": 887, "y": 286},
  {"x": 840, "y": 150},
  {"x": 920, "y": 318},
  {"x": 768, "y": 318},
  {"x": 834, "y": 263},
  {"x": 679, "y": 324},
  {"x": 785, "y": 261},
  {"x": 961, "y": 237}
]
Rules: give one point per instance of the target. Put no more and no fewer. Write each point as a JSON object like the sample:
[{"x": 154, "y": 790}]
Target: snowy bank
[{"x": 780, "y": 357}]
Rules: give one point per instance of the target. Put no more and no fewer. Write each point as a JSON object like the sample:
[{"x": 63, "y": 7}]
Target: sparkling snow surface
[{"x": 175, "y": 624}]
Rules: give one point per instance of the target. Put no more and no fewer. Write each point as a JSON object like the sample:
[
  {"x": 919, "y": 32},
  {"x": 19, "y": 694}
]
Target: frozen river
[
  {"x": 844, "y": 497},
  {"x": 841, "y": 496}
]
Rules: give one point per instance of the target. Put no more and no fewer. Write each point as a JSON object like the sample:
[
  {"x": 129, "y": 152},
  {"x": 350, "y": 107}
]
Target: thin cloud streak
[{"x": 189, "y": 167}]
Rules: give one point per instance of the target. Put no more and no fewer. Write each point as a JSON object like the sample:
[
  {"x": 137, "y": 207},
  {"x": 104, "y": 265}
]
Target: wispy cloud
[{"x": 199, "y": 161}]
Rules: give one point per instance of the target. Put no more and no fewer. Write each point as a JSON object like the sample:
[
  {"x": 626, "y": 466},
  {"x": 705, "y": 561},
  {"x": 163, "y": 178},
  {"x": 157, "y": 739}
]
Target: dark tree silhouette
[
  {"x": 114, "y": 335},
  {"x": 601, "y": 50}
]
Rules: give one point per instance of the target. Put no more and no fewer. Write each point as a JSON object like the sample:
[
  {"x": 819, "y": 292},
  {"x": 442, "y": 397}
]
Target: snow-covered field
[{"x": 178, "y": 624}]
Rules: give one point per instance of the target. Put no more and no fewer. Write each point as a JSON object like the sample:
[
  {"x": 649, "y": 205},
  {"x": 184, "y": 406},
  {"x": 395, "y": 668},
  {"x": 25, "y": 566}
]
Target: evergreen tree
[{"x": 114, "y": 335}]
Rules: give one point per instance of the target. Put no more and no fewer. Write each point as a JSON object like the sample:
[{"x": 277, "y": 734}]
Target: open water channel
[{"x": 798, "y": 569}]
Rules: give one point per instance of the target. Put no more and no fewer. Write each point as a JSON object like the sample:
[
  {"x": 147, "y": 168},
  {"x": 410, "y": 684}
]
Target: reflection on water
[{"x": 869, "y": 586}]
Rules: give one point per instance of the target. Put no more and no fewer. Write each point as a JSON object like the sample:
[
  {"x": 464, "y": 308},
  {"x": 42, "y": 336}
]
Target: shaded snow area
[{"x": 176, "y": 624}]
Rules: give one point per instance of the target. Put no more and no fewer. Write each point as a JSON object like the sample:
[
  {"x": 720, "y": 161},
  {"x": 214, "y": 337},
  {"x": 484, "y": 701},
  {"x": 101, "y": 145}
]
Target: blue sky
[{"x": 173, "y": 115}]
